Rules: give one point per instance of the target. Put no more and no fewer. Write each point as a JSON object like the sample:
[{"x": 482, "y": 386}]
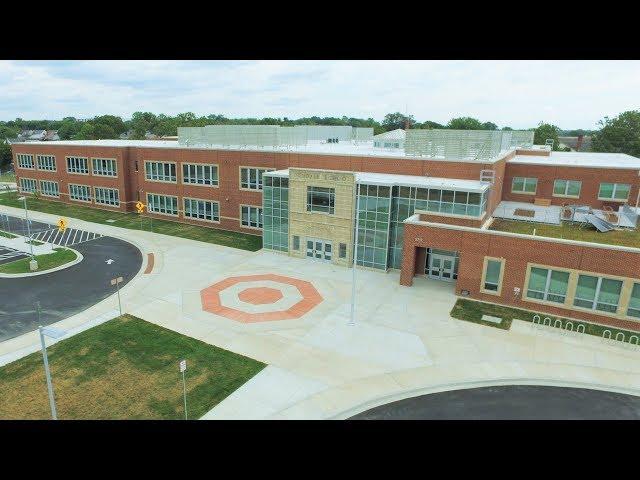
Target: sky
[{"x": 519, "y": 94}]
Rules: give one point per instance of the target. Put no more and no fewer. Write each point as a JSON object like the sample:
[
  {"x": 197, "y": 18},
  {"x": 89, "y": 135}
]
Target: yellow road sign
[
  {"x": 62, "y": 224},
  {"x": 140, "y": 207}
]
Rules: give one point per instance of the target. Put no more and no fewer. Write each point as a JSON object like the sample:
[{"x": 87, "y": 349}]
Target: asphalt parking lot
[
  {"x": 511, "y": 402},
  {"x": 65, "y": 292}
]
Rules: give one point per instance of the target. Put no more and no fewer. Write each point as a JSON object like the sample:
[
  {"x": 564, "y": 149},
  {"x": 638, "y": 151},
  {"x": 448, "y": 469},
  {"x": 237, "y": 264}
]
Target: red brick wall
[
  {"x": 590, "y": 178},
  {"x": 134, "y": 186},
  {"x": 64, "y": 179},
  {"x": 517, "y": 252}
]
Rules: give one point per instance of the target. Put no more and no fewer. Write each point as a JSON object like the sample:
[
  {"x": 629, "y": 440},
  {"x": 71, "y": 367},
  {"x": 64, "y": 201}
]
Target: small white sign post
[
  {"x": 183, "y": 367},
  {"x": 116, "y": 282}
]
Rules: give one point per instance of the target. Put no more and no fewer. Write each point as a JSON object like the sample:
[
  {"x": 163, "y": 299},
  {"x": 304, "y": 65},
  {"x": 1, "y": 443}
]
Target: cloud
[{"x": 571, "y": 94}]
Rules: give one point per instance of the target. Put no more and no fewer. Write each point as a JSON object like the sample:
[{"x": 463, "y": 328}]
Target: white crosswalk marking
[{"x": 71, "y": 236}]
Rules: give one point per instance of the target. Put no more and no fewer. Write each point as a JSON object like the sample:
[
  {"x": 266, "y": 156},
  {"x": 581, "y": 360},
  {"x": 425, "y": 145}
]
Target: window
[
  {"x": 46, "y": 162},
  {"x": 524, "y": 185},
  {"x": 77, "y": 165},
  {"x": 49, "y": 188},
  {"x": 251, "y": 178},
  {"x": 28, "y": 185},
  {"x": 165, "y": 204},
  {"x": 548, "y": 285},
  {"x": 634, "y": 302},
  {"x": 614, "y": 191},
  {"x": 342, "y": 250},
  {"x": 321, "y": 199},
  {"x": 598, "y": 293},
  {"x": 25, "y": 161},
  {"x": 296, "y": 242},
  {"x": 200, "y": 174},
  {"x": 107, "y": 196},
  {"x": 105, "y": 167},
  {"x": 81, "y": 193},
  {"x": 160, "y": 171},
  {"x": 251, "y": 216},
  {"x": 492, "y": 281},
  {"x": 201, "y": 209},
  {"x": 452, "y": 202},
  {"x": 567, "y": 188}
]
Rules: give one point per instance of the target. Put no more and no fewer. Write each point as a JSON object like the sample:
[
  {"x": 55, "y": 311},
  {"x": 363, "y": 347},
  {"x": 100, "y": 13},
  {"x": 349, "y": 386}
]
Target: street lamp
[
  {"x": 53, "y": 333},
  {"x": 33, "y": 264}
]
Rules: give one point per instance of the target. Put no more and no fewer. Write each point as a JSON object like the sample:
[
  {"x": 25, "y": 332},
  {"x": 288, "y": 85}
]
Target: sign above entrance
[{"x": 332, "y": 177}]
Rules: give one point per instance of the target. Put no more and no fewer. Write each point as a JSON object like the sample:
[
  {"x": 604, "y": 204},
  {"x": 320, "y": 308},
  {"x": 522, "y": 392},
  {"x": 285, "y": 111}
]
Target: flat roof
[
  {"x": 346, "y": 148},
  {"x": 581, "y": 159},
  {"x": 405, "y": 180}
]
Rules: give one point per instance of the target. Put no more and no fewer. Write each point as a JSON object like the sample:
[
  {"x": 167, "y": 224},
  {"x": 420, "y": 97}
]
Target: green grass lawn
[
  {"x": 472, "y": 311},
  {"x": 570, "y": 231},
  {"x": 125, "y": 368},
  {"x": 34, "y": 242},
  {"x": 7, "y": 234},
  {"x": 7, "y": 177},
  {"x": 45, "y": 262},
  {"x": 133, "y": 221}
]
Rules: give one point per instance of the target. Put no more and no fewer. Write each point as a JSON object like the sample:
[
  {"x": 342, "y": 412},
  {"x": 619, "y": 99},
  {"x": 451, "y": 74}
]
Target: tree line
[{"x": 620, "y": 134}]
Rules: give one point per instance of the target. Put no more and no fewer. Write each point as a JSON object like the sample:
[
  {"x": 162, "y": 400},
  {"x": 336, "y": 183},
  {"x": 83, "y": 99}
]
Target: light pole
[
  {"x": 352, "y": 319},
  {"x": 53, "y": 333},
  {"x": 26, "y": 215}
]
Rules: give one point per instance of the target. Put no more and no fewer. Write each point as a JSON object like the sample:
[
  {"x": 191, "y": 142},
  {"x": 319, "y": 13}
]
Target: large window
[
  {"x": 321, "y": 199},
  {"x": 165, "y": 204},
  {"x": 373, "y": 217},
  {"x": 46, "y": 162},
  {"x": 548, "y": 285},
  {"x": 524, "y": 185},
  {"x": 567, "y": 188},
  {"x": 614, "y": 191},
  {"x": 200, "y": 174},
  {"x": 598, "y": 293},
  {"x": 251, "y": 216},
  {"x": 160, "y": 171},
  {"x": 201, "y": 209},
  {"x": 77, "y": 165},
  {"x": 275, "y": 214},
  {"x": 105, "y": 167},
  {"x": 634, "y": 302},
  {"x": 25, "y": 161},
  {"x": 107, "y": 196},
  {"x": 81, "y": 193},
  {"x": 49, "y": 188},
  {"x": 251, "y": 178},
  {"x": 28, "y": 185},
  {"x": 492, "y": 281}
]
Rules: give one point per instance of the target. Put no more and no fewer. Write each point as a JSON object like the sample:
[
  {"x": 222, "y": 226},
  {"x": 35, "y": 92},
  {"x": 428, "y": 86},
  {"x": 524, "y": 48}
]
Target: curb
[{"x": 79, "y": 258}]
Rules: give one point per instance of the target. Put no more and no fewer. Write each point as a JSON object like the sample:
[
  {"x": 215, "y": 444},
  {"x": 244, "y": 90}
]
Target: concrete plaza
[{"x": 403, "y": 343}]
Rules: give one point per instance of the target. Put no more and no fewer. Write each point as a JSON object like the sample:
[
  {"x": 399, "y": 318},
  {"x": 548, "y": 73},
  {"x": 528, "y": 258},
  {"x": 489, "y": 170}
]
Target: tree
[
  {"x": 114, "y": 123},
  {"x": 428, "y": 125},
  {"x": 393, "y": 121},
  {"x": 69, "y": 128},
  {"x": 489, "y": 126},
  {"x": 5, "y": 155},
  {"x": 619, "y": 135},
  {"x": 544, "y": 132},
  {"x": 465, "y": 123}
]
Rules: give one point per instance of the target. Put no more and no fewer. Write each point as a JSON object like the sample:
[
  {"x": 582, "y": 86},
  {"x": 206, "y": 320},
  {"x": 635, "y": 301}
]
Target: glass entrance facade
[{"x": 275, "y": 213}]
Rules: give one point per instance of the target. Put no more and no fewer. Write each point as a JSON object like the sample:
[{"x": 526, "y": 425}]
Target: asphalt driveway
[
  {"x": 66, "y": 292},
  {"x": 512, "y": 402}
]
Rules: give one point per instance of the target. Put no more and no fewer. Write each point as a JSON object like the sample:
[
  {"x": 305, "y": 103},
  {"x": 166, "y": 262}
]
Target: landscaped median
[
  {"x": 47, "y": 261},
  {"x": 133, "y": 221},
  {"x": 125, "y": 368},
  {"x": 472, "y": 311}
]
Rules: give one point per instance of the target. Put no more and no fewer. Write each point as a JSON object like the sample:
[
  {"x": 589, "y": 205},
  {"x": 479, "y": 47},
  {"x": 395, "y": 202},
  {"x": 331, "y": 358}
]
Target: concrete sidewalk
[{"x": 404, "y": 342}]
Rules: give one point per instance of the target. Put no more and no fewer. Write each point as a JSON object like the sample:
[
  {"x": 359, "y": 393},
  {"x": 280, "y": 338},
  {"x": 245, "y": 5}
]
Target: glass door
[
  {"x": 441, "y": 267},
  {"x": 319, "y": 249}
]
